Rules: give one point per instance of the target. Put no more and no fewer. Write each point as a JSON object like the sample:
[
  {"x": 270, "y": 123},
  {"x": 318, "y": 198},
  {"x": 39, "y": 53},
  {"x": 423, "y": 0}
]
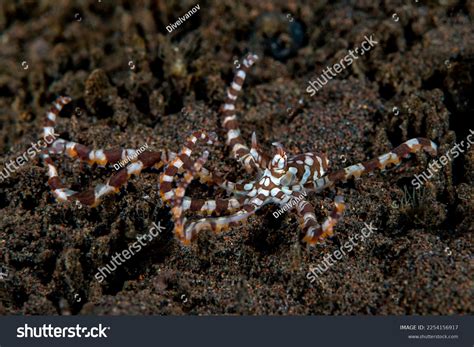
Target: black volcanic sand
[{"x": 133, "y": 83}]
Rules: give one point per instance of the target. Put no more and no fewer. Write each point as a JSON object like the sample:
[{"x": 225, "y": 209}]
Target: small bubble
[
  {"x": 395, "y": 111},
  {"x": 395, "y": 17},
  {"x": 289, "y": 16},
  {"x": 25, "y": 65},
  {"x": 78, "y": 17},
  {"x": 237, "y": 64},
  {"x": 78, "y": 204},
  {"x": 185, "y": 300},
  {"x": 3, "y": 273},
  {"x": 447, "y": 63},
  {"x": 131, "y": 64}
]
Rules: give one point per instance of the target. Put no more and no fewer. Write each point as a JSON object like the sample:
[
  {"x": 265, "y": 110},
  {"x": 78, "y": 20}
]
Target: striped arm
[
  {"x": 234, "y": 139},
  {"x": 93, "y": 196},
  {"x": 217, "y": 206},
  {"x": 221, "y": 224},
  {"x": 305, "y": 211},
  {"x": 52, "y": 115},
  {"x": 76, "y": 150},
  {"x": 177, "y": 210},
  {"x": 100, "y": 157},
  {"x": 230, "y": 187},
  {"x": 393, "y": 157},
  {"x": 314, "y": 232},
  {"x": 257, "y": 154},
  {"x": 182, "y": 162}
]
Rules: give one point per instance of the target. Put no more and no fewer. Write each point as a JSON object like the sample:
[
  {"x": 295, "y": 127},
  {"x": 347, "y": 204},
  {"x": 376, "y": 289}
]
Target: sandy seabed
[{"x": 133, "y": 83}]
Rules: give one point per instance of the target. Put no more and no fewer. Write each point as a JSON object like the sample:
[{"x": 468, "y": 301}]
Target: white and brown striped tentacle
[
  {"x": 305, "y": 211},
  {"x": 52, "y": 115},
  {"x": 258, "y": 155},
  {"x": 90, "y": 197},
  {"x": 307, "y": 167},
  {"x": 236, "y": 188},
  {"x": 393, "y": 157},
  {"x": 60, "y": 192},
  {"x": 101, "y": 157},
  {"x": 182, "y": 162},
  {"x": 218, "y": 206},
  {"x": 76, "y": 150},
  {"x": 177, "y": 210},
  {"x": 240, "y": 151},
  {"x": 319, "y": 234},
  {"x": 93, "y": 196},
  {"x": 220, "y": 224},
  {"x": 239, "y": 188}
]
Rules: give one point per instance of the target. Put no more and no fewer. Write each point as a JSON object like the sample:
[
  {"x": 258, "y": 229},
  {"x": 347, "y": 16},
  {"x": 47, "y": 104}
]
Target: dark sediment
[{"x": 418, "y": 262}]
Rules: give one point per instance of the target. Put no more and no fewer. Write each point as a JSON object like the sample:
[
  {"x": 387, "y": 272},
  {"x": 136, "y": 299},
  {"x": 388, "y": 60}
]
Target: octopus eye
[
  {"x": 279, "y": 160},
  {"x": 281, "y": 163},
  {"x": 275, "y": 161}
]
